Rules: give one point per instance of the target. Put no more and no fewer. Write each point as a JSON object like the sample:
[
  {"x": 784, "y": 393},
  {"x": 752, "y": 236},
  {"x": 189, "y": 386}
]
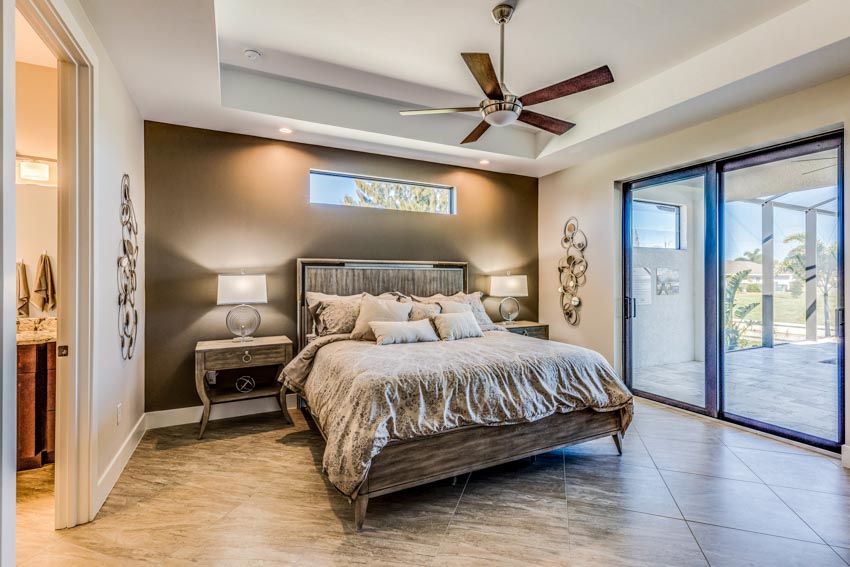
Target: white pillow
[
  {"x": 454, "y": 307},
  {"x": 374, "y": 309},
  {"x": 455, "y": 326},
  {"x": 398, "y": 332}
]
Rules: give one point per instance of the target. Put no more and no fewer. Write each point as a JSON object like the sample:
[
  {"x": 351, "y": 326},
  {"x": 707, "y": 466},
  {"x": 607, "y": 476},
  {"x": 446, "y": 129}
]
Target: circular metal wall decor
[
  {"x": 572, "y": 270},
  {"x": 128, "y": 316}
]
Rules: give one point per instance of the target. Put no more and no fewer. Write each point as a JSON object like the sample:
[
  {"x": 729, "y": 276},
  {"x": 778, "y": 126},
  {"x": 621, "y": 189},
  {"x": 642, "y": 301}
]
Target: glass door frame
[
  {"x": 710, "y": 272},
  {"x": 798, "y": 148}
]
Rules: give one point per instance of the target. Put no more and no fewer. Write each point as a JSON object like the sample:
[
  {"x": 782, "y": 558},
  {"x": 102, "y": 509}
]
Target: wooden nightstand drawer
[
  {"x": 244, "y": 356},
  {"x": 527, "y": 329}
]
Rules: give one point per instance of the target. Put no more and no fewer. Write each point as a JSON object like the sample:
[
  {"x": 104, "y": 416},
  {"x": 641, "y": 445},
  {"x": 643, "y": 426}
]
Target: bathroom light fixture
[
  {"x": 35, "y": 171},
  {"x": 285, "y": 130}
]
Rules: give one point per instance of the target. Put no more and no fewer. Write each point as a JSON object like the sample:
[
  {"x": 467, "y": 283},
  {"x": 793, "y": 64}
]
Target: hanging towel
[
  {"x": 22, "y": 289},
  {"x": 44, "y": 291}
]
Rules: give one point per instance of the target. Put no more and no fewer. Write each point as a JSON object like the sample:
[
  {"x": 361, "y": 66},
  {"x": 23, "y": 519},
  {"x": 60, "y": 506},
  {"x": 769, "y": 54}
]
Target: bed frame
[{"x": 405, "y": 464}]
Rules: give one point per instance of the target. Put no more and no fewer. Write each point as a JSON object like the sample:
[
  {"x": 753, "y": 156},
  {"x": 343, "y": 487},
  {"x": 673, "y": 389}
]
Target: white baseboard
[
  {"x": 845, "y": 456},
  {"x": 182, "y": 416},
  {"x": 110, "y": 476}
]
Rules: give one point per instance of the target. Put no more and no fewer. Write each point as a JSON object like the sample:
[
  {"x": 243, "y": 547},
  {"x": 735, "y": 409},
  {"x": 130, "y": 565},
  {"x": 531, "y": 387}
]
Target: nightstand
[
  {"x": 228, "y": 354},
  {"x": 527, "y": 328}
]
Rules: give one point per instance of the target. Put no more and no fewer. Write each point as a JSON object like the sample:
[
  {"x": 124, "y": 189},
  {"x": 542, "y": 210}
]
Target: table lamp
[
  {"x": 510, "y": 287},
  {"x": 240, "y": 290}
]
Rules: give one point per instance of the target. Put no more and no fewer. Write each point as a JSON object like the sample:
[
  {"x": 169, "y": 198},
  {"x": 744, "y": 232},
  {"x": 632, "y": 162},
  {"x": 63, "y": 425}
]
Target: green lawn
[{"x": 786, "y": 308}]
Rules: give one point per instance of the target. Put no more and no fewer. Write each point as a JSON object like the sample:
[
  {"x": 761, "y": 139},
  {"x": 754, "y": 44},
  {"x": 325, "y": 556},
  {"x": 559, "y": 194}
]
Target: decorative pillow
[
  {"x": 424, "y": 311},
  {"x": 473, "y": 299},
  {"x": 398, "y": 332},
  {"x": 455, "y": 326},
  {"x": 336, "y": 316},
  {"x": 454, "y": 307},
  {"x": 374, "y": 309},
  {"x": 313, "y": 299}
]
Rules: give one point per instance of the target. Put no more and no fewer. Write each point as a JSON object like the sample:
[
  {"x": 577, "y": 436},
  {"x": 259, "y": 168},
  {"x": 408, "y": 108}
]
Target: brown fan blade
[
  {"x": 482, "y": 69},
  {"x": 438, "y": 110},
  {"x": 587, "y": 81},
  {"x": 544, "y": 122},
  {"x": 475, "y": 134}
]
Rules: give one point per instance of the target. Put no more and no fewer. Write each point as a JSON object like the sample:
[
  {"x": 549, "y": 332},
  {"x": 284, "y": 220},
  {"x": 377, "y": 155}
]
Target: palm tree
[
  {"x": 735, "y": 323},
  {"x": 826, "y": 263},
  {"x": 753, "y": 255}
]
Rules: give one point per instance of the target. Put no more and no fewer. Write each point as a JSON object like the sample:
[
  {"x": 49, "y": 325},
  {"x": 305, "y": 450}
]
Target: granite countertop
[{"x": 36, "y": 330}]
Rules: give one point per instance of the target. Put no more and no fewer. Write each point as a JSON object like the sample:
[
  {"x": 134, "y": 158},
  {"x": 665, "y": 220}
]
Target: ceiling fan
[{"x": 501, "y": 107}]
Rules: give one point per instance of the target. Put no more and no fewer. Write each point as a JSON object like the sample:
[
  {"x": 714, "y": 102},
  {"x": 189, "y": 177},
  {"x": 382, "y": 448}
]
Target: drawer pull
[{"x": 246, "y": 358}]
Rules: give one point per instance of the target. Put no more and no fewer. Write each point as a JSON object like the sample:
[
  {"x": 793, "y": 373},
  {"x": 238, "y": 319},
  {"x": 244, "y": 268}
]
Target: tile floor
[
  {"x": 687, "y": 491},
  {"x": 792, "y": 385}
]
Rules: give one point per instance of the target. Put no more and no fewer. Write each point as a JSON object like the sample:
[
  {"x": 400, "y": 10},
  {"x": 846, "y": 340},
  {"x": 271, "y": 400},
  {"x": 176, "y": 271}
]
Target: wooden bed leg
[
  {"x": 618, "y": 441},
  {"x": 360, "y": 505}
]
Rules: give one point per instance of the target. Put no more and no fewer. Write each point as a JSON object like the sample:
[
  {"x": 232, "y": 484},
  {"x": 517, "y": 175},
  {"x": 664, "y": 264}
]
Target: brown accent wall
[{"x": 219, "y": 202}]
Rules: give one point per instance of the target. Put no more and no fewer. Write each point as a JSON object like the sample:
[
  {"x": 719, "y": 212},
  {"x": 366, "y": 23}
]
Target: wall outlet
[
  {"x": 211, "y": 377},
  {"x": 119, "y": 409}
]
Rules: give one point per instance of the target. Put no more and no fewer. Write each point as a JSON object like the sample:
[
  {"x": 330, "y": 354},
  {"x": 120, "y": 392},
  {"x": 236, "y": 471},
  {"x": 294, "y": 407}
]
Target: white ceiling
[
  {"x": 338, "y": 72},
  {"x": 28, "y": 46}
]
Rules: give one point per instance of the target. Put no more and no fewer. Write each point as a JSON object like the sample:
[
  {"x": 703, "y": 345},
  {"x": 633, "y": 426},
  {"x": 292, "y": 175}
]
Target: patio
[{"x": 792, "y": 385}]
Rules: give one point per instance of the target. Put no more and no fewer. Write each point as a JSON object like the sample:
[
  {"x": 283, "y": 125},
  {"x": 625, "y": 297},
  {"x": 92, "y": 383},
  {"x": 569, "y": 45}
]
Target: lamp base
[
  {"x": 509, "y": 309},
  {"x": 247, "y": 339}
]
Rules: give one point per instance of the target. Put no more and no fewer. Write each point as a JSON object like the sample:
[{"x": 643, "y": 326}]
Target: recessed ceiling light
[
  {"x": 252, "y": 54},
  {"x": 285, "y": 130},
  {"x": 484, "y": 162}
]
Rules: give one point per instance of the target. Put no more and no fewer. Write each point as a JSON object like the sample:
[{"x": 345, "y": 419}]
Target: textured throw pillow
[
  {"x": 456, "y": 326},
  {"x": 398, "y": 332},
  {"x": 337, "y": 316},
  {"x": 473, "y": 299},
  {"x": 374, "y": 309},
  {"x": 454, "y": 307},
  {"x": 424, "y": 311},
  {"x": 314, "y": 298}
]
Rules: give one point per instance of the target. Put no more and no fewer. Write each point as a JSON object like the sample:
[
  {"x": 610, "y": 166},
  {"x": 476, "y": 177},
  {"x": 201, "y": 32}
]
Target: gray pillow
[
  {"x": 424, "y": 311},
  {"x": 456, "y": 326},
  {"x": 337, "y": 316},
  {"x": 398, "y": 332},
  {"x": 374, "y": 309},
  {"x": 473, "y": 299}
]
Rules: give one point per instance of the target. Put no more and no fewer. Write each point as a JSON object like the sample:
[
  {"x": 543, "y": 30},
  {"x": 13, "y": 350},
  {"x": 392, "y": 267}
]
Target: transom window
[
  {"x": 330, "y": 188},
  {"x": 656, "y": 225}
]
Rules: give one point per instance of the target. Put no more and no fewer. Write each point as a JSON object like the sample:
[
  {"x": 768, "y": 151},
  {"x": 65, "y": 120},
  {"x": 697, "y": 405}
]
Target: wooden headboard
[{"x": 348, "y": 277}]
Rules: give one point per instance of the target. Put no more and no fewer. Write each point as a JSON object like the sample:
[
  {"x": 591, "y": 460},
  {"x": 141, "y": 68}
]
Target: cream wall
[
  {"x": 590, "y": 191},
  {"x": 36, "y": 132}
]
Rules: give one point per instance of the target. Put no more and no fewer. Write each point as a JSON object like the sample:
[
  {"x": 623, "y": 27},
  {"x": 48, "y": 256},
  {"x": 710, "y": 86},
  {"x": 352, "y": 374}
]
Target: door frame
[
  {"x": 710, "y": 273},
  {"x": 55, "y": 24},
  {"x": 714, "y": 352}
]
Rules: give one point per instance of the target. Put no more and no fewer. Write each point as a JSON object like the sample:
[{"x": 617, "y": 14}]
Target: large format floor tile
[
  {"x": 735, "y": 504},
  {"x": 610, "y": 536},
  {"x": 726, "y": 547},
  {"x": 253, "y": 493}
]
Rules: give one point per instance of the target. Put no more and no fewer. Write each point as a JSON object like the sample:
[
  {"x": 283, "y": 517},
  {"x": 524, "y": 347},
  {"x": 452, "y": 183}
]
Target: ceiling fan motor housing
[{"x": 501, "y": 112}]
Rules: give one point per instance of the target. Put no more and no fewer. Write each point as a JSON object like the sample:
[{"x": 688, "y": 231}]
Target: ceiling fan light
[{"x": 501, "y": 117}]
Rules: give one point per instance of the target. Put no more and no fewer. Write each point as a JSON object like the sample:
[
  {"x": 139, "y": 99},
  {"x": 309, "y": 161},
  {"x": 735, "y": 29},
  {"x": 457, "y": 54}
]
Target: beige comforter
[{"x": 364, "y": 395}]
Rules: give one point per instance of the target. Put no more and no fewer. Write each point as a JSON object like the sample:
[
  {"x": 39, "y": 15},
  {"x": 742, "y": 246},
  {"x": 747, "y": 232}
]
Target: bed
[{"x": 397, "y": 416}]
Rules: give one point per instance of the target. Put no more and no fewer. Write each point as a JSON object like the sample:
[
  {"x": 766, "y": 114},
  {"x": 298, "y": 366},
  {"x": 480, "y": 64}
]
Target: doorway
[
  {"x": 36, "y": 254},
  {"x": 733, "y": 272}
]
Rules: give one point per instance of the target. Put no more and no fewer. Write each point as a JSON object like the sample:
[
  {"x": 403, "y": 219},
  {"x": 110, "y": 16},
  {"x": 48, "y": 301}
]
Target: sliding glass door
[
  {"x": 783, "y": 302},
  {"x": 666, "y": 252},
  {"x": 733, "y": 276}
]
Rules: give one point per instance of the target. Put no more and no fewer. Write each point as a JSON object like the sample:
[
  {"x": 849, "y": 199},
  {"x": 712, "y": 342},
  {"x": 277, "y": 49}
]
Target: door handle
[
  {"x": 839, "y": 322},
  {"x": 627, "y": 307},
  {"x": 634, "y": 307}
]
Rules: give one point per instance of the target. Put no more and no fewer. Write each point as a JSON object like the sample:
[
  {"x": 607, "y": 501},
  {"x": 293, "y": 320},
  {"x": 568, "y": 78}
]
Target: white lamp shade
[
  {"x": 508, "y": 286},
  {"x": 241, "y": 288}
]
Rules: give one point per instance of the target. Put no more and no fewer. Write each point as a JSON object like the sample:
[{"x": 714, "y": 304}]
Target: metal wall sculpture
[
  {"x": 572, "y": 270},
  {"x": 128, "y": 316}
]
